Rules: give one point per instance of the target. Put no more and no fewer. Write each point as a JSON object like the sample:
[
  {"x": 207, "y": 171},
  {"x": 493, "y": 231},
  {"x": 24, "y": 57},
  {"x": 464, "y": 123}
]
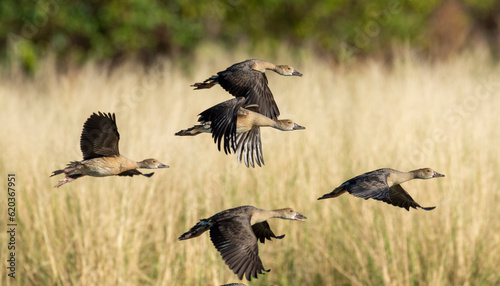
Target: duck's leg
[
  {"x": 64, "y": 181},
  {"x": 67, "y": 180}
]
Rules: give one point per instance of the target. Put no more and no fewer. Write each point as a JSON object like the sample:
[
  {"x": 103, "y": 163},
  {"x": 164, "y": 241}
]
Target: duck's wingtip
[
  {"x": 149, "y": 175},
  {"x": 280, "y": 236}
]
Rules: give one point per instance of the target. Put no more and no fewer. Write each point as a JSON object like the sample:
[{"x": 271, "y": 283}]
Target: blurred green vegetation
[{"x": 114, "y": 29}]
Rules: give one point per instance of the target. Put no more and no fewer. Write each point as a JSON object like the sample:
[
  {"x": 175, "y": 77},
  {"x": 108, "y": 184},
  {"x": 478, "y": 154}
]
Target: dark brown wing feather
[
  {"x": 206, "y": 224},
  {"x": 133, "y": 172},
  {"x": 400, "y": 198},
  {"x": 241, "y": 80},
  {"x": 252, "y": 107},
  {"x": 223, "y": 118},
  {"x": 249, "y": 147},
  {"x": 237, "y": 244},
  {"x": 100, "y": 136},
  {"x": 263, "y": 231},
  {"x": 371, "y": 185}
]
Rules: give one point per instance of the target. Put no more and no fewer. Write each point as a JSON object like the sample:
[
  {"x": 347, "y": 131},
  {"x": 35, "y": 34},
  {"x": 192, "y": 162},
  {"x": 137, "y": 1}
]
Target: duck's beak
[
  {"x": 297, "y": 127},
  {"x": 162, "y": 166},
  {"x": 436, "y": 175},
  {"x": 300, "y": 217},
  {"x": 296, "y": 73}
]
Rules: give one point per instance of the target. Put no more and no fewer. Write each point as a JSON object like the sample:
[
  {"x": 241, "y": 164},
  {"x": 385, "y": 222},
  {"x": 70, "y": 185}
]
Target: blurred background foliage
[{"x": 76, "y": 31}]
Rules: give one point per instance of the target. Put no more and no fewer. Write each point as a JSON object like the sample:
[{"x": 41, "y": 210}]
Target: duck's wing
[
  {"x": 237, "y": 244},
  {"x": 364, "y": 186},
  {"x": 368, "y": 186},
  {"x": 400, "y": 198},
  {"x": 253, "y": 107},
  {"x": 249, "y": 147},
  {"x": 263, "y": 231},
  {"x": 100, "y": 136},
  {"x": 223, "y": 120},
  {"x": 241, "y": 80},
  {"x": 134, "y": 172}
]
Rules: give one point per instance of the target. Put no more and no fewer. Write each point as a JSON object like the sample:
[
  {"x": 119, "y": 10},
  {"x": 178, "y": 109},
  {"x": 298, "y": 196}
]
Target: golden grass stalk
[{"x": 123, "y": 231}]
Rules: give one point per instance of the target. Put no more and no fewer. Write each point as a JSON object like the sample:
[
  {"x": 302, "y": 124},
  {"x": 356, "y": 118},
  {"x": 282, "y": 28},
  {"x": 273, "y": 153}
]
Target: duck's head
[
  {"x": 426, "y": 173},
  {"x": 288, "y": 125},
  {"x": 287, "y": 70},
  {"x": 151, "y": 164},
  {"x": 291, "y": 214}
]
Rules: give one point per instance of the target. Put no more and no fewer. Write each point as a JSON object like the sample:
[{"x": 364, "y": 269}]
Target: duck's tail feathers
[
  {"x": 195, "y": 130},
  {"x": 335, "y": 193},
  {"x": 197, "y": 230},
  {"x": 70, "y": 167},
  {"x": 206, "y": 84},
  {"x": 57, "y": 172}
]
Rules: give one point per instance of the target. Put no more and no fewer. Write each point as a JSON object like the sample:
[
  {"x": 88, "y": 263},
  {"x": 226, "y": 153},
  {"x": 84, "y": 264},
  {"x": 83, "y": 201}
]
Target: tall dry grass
[{"x": 123, "y": 231}]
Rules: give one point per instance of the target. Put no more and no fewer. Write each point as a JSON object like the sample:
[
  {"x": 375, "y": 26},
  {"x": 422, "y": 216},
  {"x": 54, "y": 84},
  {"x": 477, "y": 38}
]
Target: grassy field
[{"x": 360, "y": 117}]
